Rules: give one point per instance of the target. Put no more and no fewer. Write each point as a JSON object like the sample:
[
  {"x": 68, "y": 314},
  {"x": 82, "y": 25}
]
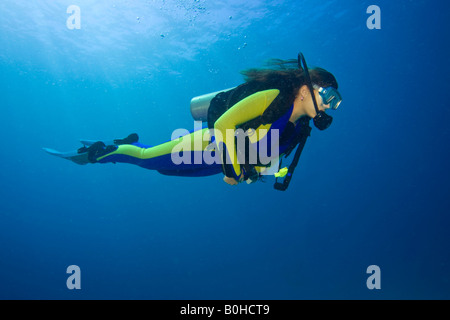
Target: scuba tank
[{"x": 200, "y": 105}]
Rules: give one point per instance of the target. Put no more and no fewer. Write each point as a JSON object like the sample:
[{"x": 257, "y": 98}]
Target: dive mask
[{"x": 329, "y": 96}]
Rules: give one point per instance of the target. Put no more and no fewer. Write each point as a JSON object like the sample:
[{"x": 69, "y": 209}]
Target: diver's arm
[{"x": 243, "y": 111}]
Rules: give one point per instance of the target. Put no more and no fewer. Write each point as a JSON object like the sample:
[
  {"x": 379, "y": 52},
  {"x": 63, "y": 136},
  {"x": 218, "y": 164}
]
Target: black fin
[{"x": 132, "y": 138}]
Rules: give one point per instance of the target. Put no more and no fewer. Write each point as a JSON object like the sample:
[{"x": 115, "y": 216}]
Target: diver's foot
[
  {"x": 132, "y": 138},
  {"x": 83, "y": 149},
  {"x": 97, "y": 150}
]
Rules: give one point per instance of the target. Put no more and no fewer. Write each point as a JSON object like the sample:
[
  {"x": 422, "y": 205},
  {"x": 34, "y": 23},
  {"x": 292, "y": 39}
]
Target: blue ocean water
[{"x": 371, "y": 190}]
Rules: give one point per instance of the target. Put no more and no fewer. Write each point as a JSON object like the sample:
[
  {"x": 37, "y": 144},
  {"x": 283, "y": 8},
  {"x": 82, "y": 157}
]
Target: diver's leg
[{"x": 180, "y": 157}]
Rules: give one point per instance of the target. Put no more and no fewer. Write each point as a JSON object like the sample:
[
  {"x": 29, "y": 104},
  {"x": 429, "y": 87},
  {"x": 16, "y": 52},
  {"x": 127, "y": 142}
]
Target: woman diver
[{"x": 269, "y": 112}]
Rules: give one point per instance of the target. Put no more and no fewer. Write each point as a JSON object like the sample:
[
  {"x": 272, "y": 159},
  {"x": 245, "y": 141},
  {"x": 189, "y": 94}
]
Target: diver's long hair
[{"x": 288, "y": 72}]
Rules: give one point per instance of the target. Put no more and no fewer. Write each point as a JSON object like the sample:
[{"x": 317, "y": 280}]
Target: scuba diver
[{"x": 270, "y": 111}]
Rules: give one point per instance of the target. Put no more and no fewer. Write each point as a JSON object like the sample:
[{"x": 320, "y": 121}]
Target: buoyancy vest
[{"x": 225, "y": 100}]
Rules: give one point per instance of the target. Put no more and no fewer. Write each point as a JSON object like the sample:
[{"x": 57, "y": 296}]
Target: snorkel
[{"x": 322, "y": 120}]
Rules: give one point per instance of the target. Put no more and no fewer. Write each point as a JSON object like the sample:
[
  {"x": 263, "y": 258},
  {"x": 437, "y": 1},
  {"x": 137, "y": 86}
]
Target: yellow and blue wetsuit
[{"x": 160, "y": 157}]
